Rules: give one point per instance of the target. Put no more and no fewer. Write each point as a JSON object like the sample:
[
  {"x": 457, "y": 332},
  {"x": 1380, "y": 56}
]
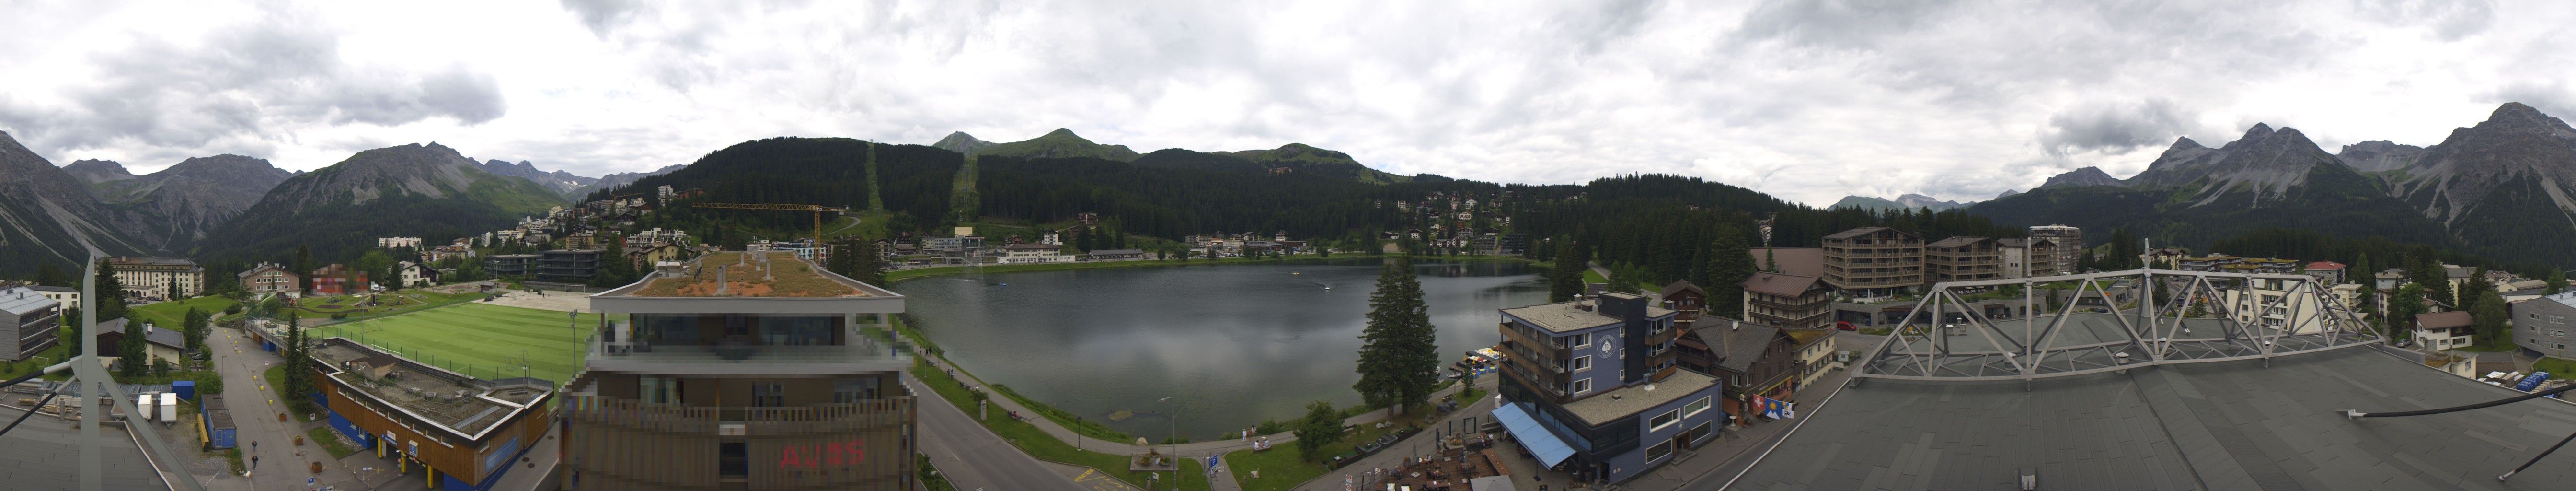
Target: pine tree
[
  {"x": 2488, "y": 315},
  {"x": 194, "y": 328},
  {"x": 1770, "y": 260},
  {"x": 49, "y": 274},
  {"x": 131, "y": 348},
  {"x": 304, "y": 268},
  {"x": 2402, "y": 307},
  {"x": 110, "y": 297},
  {"x": 2557, "y": 281},
  {"x": 1565, "y": 278},
  {"x": 1730, "y": 264},
  {"x": 1399, "y": 360}
]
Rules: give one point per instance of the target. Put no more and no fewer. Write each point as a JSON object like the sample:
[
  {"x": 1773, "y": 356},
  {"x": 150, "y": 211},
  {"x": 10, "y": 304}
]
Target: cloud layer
[{"x": 1809, "y": 100}]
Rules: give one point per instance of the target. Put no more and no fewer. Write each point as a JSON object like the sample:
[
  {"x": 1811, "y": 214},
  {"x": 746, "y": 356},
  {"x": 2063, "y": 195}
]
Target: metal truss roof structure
[{"x": 2112, "y": 321}]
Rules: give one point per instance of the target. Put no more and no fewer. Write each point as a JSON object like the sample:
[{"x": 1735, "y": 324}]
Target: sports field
[{"x": 481, "y": 340}]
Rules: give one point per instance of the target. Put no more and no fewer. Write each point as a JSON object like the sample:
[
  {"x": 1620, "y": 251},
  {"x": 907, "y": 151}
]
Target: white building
[
  {"x": 153, "y": 277},
  {"x": 397, "y": 242},
  {"x": 2444, "y": 330},
  {"x": 68, "y": 298},
  {"x": 1033, "y": 254}
]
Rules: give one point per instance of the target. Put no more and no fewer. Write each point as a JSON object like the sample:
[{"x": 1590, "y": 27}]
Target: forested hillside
[{"x": 914, "y": 183}]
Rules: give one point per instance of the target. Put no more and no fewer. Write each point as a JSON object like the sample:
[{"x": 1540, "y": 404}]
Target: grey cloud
[
  {"x": 2448, "y": 20},
  {"x": 2113, "y": 127},
  {"x": 600, "y": 15},
  {"x": 246, "y": 84}
]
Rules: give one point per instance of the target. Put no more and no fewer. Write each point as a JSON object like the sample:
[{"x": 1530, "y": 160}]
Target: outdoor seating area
[{"x": 1451, "y": 470}]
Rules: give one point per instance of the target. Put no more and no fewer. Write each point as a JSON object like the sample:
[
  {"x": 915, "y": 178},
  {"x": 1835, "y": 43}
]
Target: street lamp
[{"x": 1172, "y": 412}]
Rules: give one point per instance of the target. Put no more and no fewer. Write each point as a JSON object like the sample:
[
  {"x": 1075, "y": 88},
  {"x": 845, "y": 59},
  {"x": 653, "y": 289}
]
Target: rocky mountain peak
[
  {"x": 2515, "y": 116},
  {"x": 2257, "y": 132},
  {"x": 2379, "y": 155},
  {"x": 98, "y": 171},
  {"x": 2088, "y": 176},
  {"x": 961, "y": 142},
  {"x": 2181, "y": 142}
]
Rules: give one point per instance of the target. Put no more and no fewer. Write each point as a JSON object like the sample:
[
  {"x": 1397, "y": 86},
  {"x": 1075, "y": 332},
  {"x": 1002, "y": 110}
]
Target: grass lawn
[
  {"x": 2503, "y": 342},
  {"x": 480, "y": 340},
  {"x": 1590, "y": 276},
  {"x": 1043, "y": 446},
  {"x": 1280, "y": 468},
  {"x": 51, "y": 356},
  {"x": 2557, "y": 367},
  {"x": 169, "y": 315},
  {"x": 274, "y": 378},
  {"x": 412, "y": 301},
  {"x": 329, "y": 442}
]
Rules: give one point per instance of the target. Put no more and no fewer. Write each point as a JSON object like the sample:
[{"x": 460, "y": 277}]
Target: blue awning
[{"x": 1540, "y": 442}]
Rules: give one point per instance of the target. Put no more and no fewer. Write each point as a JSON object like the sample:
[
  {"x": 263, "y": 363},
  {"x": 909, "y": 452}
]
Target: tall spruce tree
[
  {"x": 1730, "y": 264},
  {"x": 195, "y": 326},
  {"x": 1399, "y": 357},
  {"x": 48, "y": 274},
  {"x": 110, "y": 297},
  {"x": 2557, "y": 281},
  {"x": 2488, "y": 315},
  {"x": 130, "y": 348},
  {"x": 304, "y": 268},
  {"x": 1565, "y": 278}
]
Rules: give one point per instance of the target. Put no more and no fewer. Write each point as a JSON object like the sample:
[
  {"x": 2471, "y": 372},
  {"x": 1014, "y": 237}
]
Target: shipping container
[{"x": 218, "y": 428}]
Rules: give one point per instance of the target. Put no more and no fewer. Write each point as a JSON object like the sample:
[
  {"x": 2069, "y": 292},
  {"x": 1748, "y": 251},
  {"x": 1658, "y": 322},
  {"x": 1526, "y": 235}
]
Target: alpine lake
[{"x": 1232, "y": 345}]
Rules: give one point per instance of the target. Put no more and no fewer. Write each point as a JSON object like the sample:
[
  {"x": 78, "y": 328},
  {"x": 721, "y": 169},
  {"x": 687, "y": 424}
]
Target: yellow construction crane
[{"x": 817, "y": 209}]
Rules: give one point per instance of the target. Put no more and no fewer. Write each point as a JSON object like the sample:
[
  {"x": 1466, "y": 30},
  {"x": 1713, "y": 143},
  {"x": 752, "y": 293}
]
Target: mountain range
[
  {"x": 1909, "y": 201},
  {"x": 1290, "y": 158},
  {"x": 561, "y": 182},
  {"x": 2499, "y": 189},
  {"x": 410, "y": 190}
]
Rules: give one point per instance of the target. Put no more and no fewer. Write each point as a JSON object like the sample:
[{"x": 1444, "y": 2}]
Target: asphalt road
[{"x": 974, "y": 458}]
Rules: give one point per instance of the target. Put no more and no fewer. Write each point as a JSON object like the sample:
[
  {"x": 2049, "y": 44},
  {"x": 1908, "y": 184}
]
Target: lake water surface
[{"x": 1237, "y": 344}]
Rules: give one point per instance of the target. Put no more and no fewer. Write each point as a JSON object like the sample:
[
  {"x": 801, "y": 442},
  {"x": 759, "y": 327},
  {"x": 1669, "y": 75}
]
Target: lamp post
[{"x": 1172, "y": 413}]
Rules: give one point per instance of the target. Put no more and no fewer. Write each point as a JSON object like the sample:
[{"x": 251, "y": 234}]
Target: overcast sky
[{"x": 1806, "y": 100}]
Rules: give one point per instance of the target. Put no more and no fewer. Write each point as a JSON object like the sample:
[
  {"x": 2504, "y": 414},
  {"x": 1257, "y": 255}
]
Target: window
[
  {"x": 733, "y": 459},
  {"x": 768, "y": 394},
  {"x": 658, "y": 390},
  {"x": 1695, "y": 407},
  {"x": 1582, "y": 340},
  {"x": 1582, "y": 386},
  {"x": 1582, "y": 363},
  {"x": 1659, "y": 451},
  {"x": 1665, "y": 420}
]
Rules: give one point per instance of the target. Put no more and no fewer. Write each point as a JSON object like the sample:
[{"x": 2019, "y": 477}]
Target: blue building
[{"x": 1588, "y": 390}]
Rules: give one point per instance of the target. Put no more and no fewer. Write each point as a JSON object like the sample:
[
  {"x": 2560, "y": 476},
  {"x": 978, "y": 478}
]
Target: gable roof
[
  {"x": 1743, "y": 342},
  {"x": 2443, "y": 320},
  {"x": 1956, "y": 241},
  {"x": 1786, "y": 285},
  {"x": 1681, "y": 286}
]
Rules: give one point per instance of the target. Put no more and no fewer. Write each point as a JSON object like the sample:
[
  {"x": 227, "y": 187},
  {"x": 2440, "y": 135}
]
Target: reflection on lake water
[{"x": 1237, "y": 343}]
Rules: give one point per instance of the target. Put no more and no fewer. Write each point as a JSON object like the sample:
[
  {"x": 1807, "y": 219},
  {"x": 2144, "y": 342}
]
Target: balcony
[
  {"x": 756, "y": 421},
  {"x": 742, "y": 357}
]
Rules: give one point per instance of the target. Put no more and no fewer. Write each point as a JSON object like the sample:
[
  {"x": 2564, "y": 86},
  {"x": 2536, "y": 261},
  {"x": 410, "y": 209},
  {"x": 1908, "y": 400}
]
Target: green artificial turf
[{"x": 480, "y": 340}]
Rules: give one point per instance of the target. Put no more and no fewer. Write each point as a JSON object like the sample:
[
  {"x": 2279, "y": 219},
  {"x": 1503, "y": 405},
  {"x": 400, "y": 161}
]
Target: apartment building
[
  {"x": 33, "y": 323},
  {"x": 2027, "y": 257},
  {"x": 269, "y": 278},
  {"x": 1962, "y": 259},
  {"x": 1787, "y": 300},
  {"x": 1876, "y": 260},
  {"x": 2070, "y": 241},
  {"x": 156, "y": 277},
  {"x": 1579, "y": 392},
  {"x": 570, "y": 265},
  {"x": 720, "y": 382}
]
